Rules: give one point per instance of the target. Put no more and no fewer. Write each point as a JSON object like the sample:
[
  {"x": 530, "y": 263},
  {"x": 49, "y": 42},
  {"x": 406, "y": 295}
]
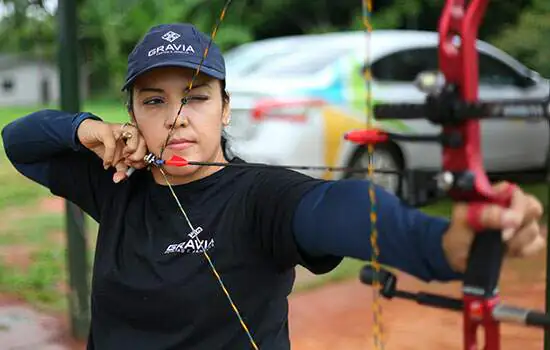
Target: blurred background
[{"x": 295, "y": 76}]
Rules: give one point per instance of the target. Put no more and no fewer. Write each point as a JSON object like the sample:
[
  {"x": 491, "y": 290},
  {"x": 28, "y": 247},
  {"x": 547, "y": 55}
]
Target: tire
[{"x": 387, "y": 156}]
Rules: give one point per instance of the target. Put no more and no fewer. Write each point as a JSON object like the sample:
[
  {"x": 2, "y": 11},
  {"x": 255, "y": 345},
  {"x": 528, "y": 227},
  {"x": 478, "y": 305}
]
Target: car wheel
[{"x": 388, "y": 157}]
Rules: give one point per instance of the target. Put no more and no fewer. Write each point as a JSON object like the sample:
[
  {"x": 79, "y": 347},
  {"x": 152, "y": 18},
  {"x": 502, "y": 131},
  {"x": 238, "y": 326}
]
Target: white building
[{"x": 26, "y": 81}]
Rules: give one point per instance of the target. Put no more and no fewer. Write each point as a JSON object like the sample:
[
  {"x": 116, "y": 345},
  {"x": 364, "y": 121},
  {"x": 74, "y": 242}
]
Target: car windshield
[
  {"x": 299, "y": 64},
  {"x": 282, "y": 57},
  {"x": 246, "y": 60}
]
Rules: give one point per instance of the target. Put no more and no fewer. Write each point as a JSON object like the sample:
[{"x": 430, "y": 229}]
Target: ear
[
  {"x": 226, "y": 113},
  {"x": 131, "y": 115},
  {"x": 130, "y": 111}
]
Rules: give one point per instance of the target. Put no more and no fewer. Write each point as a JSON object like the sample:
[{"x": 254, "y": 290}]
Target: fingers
[
  {"x": 130, "y": 137},
  {"x": 519, "y": 223},
  {"x": 535, "y": 210},
  {"x": 496, "y": 217},
  {"x": 124, "y": 148},
  {"x": 135, "y": 153},
  {"x": 110, "y": 145},
  {"x": 523, "y": 209},
  {"x": 135, "y": 147},
  {"x": 527, "y": 241},
  {"x": 120, "y": 174}
]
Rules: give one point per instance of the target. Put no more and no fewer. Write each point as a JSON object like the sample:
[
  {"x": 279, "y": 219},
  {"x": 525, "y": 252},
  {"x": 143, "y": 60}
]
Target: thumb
[{"x": 120, "y": 174}]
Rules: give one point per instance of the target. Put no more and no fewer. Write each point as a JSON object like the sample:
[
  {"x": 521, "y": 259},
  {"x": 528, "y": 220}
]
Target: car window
[
  {"x": 246, "y": 60},
  {"x": 299, "y": 64},
  {"x": 404, "y": 66},
  {"x": 495, "y": 72},
  {"x": 293, "y": 56}
]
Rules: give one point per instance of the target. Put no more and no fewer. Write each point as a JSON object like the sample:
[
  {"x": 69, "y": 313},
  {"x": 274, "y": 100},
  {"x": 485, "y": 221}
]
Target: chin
[{"x": 185, "y": 171}]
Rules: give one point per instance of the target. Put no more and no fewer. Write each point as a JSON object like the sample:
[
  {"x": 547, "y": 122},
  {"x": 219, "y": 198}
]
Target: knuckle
[
  {"x": 492, "y": 214},
  {"x": 536, "y": 206}
]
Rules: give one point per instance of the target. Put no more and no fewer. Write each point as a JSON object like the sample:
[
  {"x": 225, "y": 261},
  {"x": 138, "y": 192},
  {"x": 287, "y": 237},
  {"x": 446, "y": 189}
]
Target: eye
[
  {"x": 192, "y": 98},
  {"x": 153, "y": 101}
]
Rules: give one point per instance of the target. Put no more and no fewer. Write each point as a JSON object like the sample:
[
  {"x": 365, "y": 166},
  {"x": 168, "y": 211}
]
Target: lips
[{"x": 179, "y": 144}]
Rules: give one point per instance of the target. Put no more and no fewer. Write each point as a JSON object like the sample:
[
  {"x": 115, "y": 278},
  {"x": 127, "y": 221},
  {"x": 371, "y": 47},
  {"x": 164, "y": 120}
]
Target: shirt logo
[
  {"x": 170, "y": 36},
  {"x": 193, "y": 245}
]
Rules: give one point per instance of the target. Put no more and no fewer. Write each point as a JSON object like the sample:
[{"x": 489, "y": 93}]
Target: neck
[{"x": 196, "y": 173}]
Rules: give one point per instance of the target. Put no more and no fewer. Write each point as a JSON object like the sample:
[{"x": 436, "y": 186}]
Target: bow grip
[
  {"x": 487, "y": 250},
  {"x": 483, "y": 273}
]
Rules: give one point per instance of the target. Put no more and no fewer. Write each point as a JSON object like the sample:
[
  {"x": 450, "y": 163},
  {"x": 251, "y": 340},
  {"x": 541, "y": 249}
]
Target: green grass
[
  {"x": 21, "y": 224},
  {"x": 35, "y": 229},
  {"x": 109, "y": 110},
  {"x": 16, "y": 190},
  {"x": 40, "y": 283}
]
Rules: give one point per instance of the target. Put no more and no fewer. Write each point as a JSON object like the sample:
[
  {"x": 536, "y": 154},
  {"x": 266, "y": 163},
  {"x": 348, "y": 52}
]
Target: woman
[{"x": 152, "y": 288}]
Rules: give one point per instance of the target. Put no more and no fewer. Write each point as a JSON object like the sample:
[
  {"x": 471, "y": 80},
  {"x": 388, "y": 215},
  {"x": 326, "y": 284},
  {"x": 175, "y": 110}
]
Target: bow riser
[{"x": 458, "y": 62}]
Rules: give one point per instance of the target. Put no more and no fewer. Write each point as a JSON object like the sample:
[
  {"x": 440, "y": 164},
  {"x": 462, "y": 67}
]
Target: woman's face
[{"x": 197, "y": 131}]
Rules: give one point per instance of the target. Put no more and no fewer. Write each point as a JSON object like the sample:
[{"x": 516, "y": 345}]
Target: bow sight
[{"x": 444, "y": 106}]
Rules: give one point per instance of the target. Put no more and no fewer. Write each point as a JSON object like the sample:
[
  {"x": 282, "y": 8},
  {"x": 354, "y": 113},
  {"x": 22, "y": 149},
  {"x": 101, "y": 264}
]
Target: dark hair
[{"x": 225, "y": 100}]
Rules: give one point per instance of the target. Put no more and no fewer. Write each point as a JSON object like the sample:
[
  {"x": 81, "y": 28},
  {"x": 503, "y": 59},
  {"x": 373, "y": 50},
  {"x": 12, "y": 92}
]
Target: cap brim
[{"x": 203, "y": 69}]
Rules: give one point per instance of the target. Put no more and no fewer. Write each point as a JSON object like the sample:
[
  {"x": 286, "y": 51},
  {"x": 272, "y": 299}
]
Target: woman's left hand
[{"x": 520, "y": 225}]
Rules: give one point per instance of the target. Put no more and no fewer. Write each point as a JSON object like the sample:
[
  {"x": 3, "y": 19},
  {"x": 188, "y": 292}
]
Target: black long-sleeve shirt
[{"x": 153, "y": 289}]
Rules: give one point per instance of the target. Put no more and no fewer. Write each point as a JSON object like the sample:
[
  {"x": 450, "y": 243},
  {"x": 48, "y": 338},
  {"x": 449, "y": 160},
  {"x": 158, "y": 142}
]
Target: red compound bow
[{"x": 452, "y": 102}]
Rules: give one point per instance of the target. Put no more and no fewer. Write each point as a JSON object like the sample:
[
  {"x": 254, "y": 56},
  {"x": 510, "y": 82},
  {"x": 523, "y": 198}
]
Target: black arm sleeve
[{"x": 334, "y": 219}]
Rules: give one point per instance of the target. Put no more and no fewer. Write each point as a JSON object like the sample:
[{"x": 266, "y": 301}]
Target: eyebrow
[
  {"x": 150, "y": 89},
  {"x": 159, "y": 90},
  {"x": 198, "y": 85}
]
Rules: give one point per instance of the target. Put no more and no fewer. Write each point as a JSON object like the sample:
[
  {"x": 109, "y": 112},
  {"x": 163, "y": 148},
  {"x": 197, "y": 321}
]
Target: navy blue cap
[{"x": 174, "y": 45}]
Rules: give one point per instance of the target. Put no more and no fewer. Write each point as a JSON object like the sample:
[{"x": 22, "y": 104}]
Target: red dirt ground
[{"x": 339, "y": 316}]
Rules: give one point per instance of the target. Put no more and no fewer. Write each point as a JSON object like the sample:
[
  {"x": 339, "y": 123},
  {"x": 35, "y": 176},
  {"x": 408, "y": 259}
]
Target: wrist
[
  {"x": 79, "y": 122},
  {"x": 440, "y": 262}
]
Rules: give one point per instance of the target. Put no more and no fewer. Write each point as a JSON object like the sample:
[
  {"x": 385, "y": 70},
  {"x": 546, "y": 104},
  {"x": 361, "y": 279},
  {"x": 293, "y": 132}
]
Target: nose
[{"x": 179, "y": 118}]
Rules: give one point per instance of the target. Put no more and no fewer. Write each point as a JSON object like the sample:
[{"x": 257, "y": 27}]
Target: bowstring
[
  {"x": 180, "y": 206},
  {"x": 184, "y": 99},
  {"x": 378, "y": 331},
  {"x": 211, "y": 264}
]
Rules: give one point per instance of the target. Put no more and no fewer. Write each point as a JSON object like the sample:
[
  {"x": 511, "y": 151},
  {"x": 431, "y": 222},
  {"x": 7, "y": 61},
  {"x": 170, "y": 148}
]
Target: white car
[{"x": 293, "y": 98}]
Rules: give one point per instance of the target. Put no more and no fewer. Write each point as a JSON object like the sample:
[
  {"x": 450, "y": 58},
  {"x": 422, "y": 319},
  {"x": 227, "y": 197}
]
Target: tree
[{"x": 525, "y": 39}]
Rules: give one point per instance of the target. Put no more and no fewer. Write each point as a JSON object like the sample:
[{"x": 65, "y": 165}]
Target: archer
[{"x": 261, "y": 222}]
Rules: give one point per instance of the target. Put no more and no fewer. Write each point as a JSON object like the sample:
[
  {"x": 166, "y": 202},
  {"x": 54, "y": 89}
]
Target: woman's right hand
[{"x": 118, "y": 145}]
